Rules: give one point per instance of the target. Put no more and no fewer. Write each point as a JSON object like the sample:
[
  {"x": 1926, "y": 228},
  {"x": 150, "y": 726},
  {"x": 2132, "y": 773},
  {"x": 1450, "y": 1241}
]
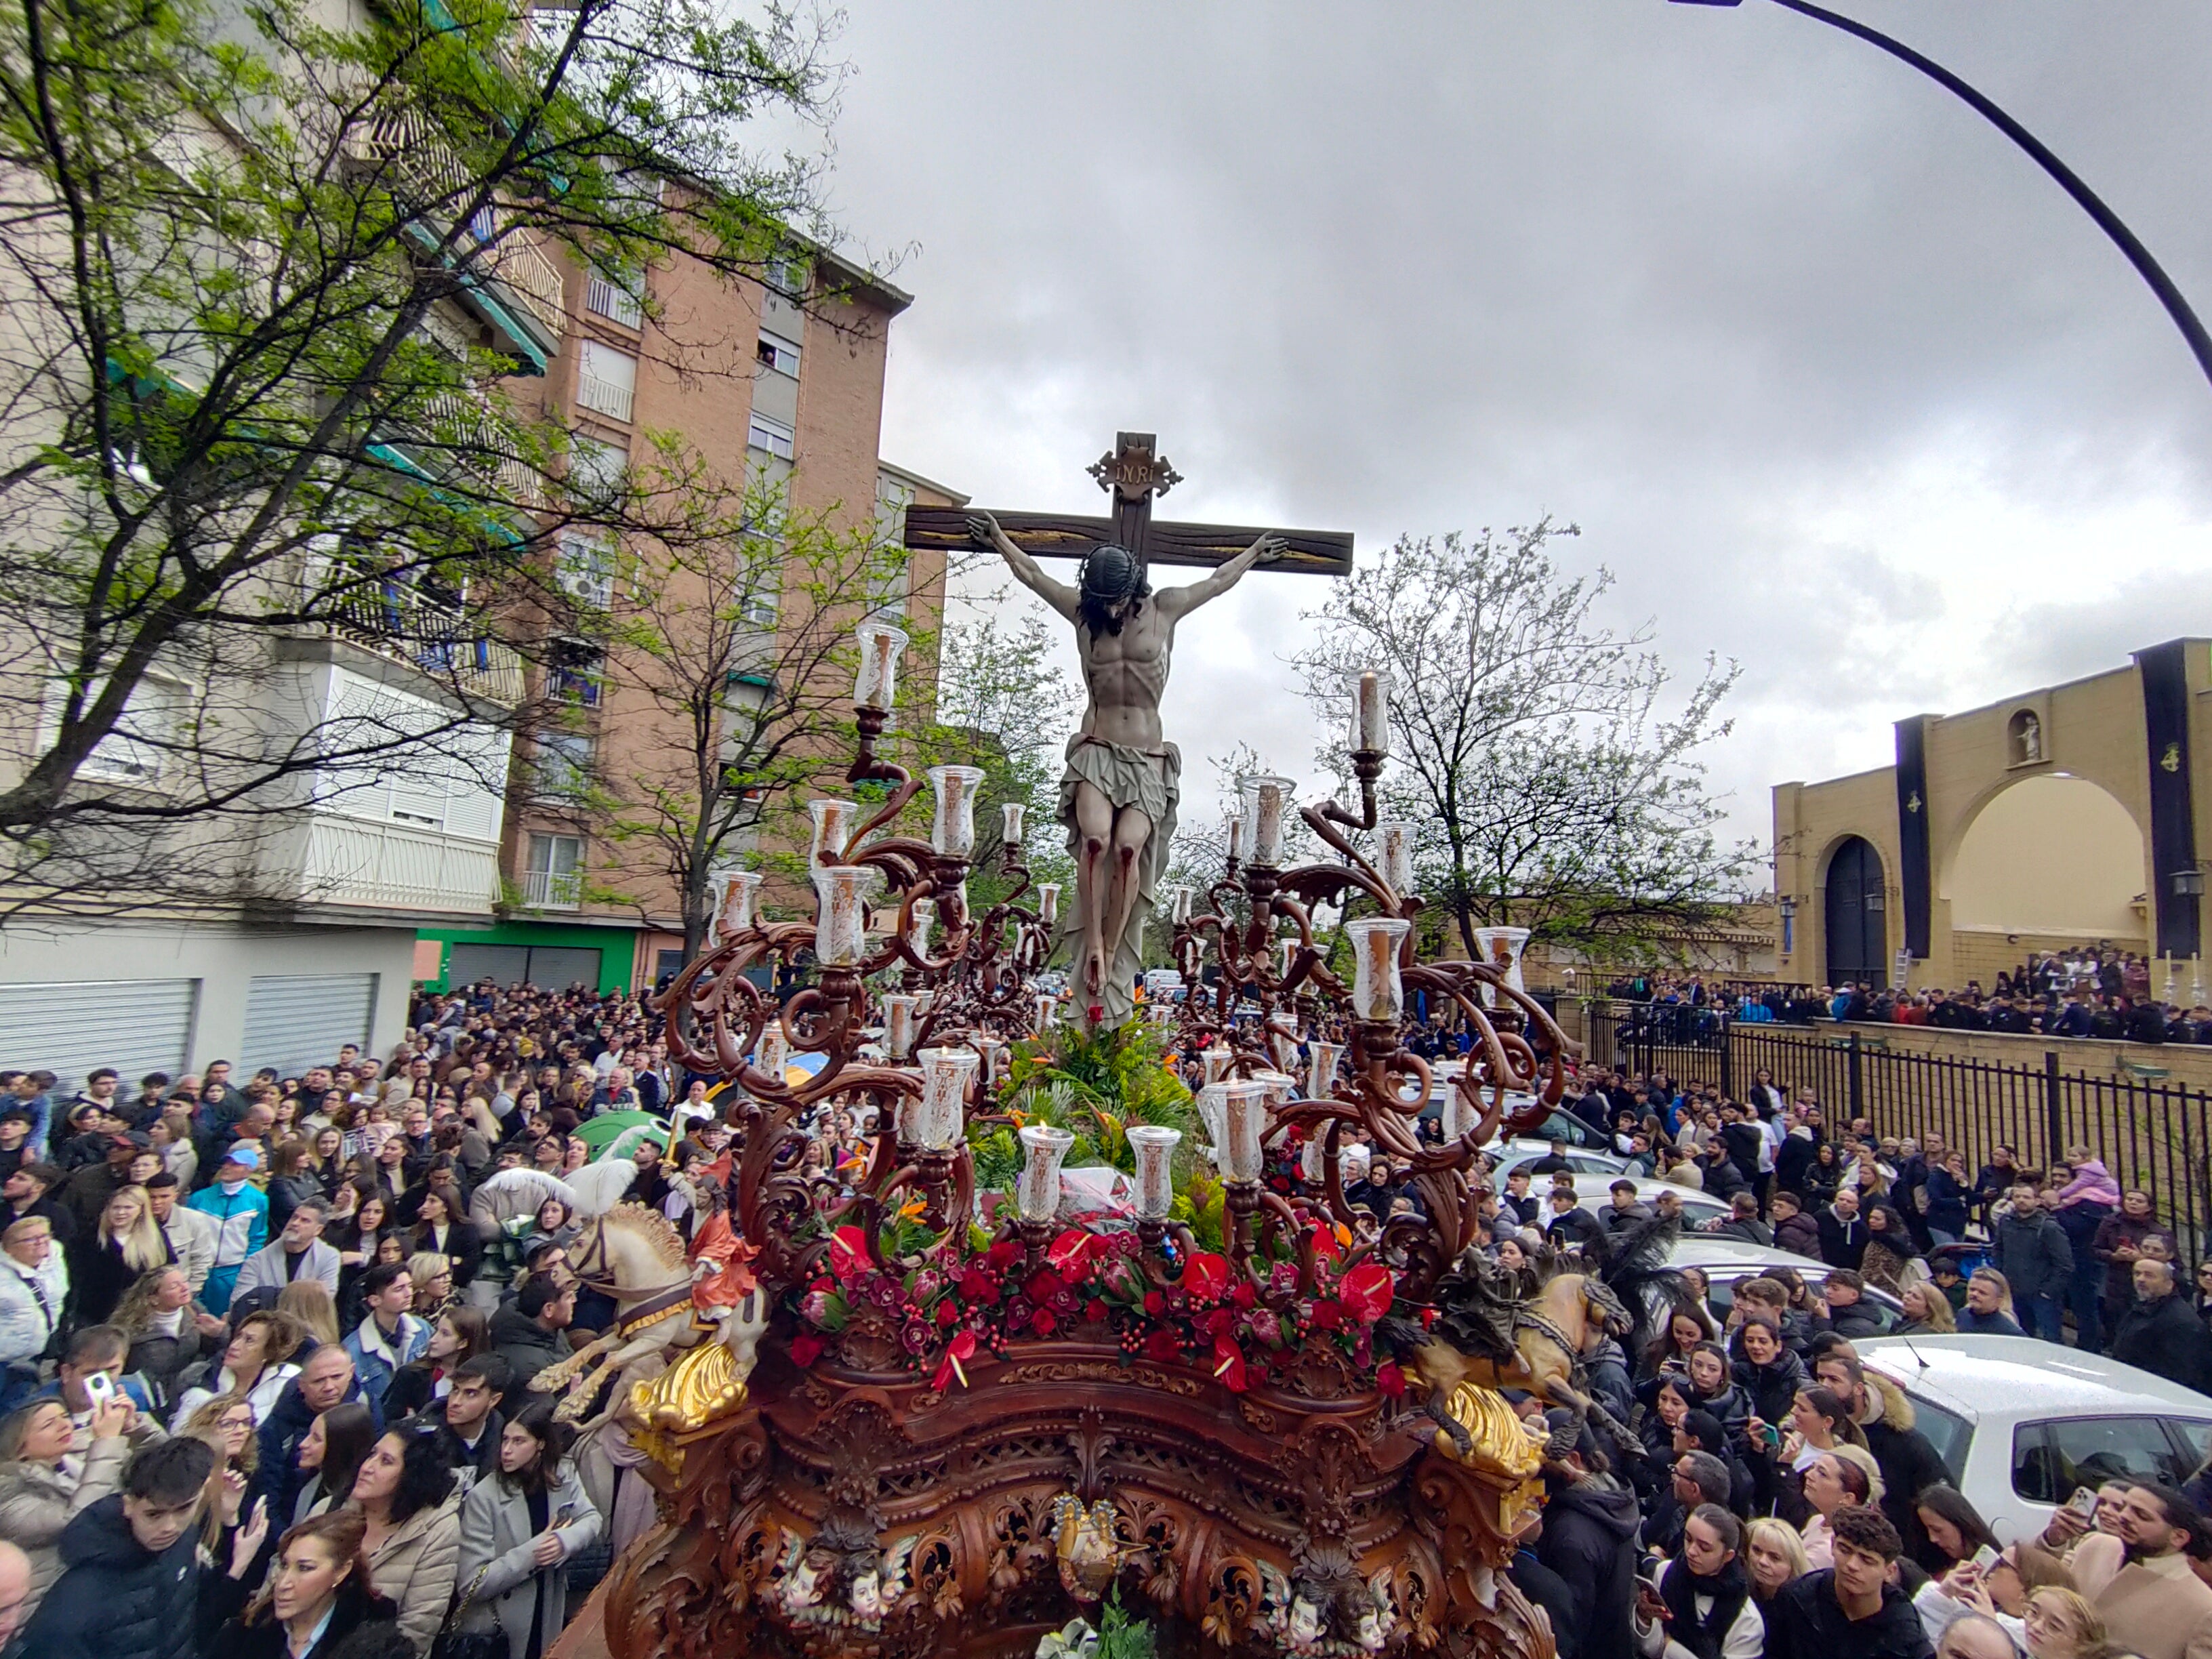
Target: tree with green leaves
[
  {"x": 1546, "y": 788},
  {"x": 276, "y": 292}
]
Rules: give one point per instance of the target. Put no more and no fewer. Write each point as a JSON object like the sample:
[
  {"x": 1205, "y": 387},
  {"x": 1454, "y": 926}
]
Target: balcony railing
[
  {"x": 402, "y": 622},
  {"x": 552, "y": 889},
  {"x": 473, "y": 440},
  {"x": 608, "y": 299},
  {"x": 604, "y": 396}
]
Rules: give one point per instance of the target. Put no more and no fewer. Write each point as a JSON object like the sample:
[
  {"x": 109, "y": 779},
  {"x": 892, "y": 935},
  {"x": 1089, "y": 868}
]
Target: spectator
[
  {"x": 332, "y": 1451},
  {"x": 167, "y": 1334},
  {"x": 519, "y": 1525},
  {"x": 1853, "y": 1610},
  {"x": 1926, "y": 1311},
  {"x": 458, "y": 1336},
  {"x": 468, "y": 1419},
  {"x": 1885, "y": 1417},
  {"x": 1949, "y": 1191},
  {"x": 325, "y": 1380},
  {"x": 2032, "y": 1252},
  {"x": 526, "y": 1334},
  {"x": 1703, "y": 1607},
  {"x": 406, "y": 1492},
  {"x": 131, "y": 1584},
  {"x": 1835, "y": 1480},
  {"x": 26, "y": 1193},
  {"x": 2160, "y": 1333},
  {"x": 1590, "y": 1524},
  {"x": 432, "y": 1276},
  {"x": 192, "y": 1236},
  {"x": 256, "y": 1365},
  {"x": 241, "y": 1216},
  {"x": 1850, "y": 1314},
  {"x": 1989, "y": 1309},
  {"x": 297, "y": 1252},
  {"x": 306, "y": 1303},
  {"x": 38, "y": 1500},
  {"x": 442, "y": 1228},
  {"x": 1794, "y": 1231},
  {"x": 2118, "y": 1246},
  {"x": 1954, "y": 1528},
  {"x": 124, "y": 1242},
  {"x": 1843, "y": 1233},
  {"x": 86, "y": 1193},
  {"x": 1773, "y": 1555},
  {"x": 1742, "y": 1222},
  {"x": 2141, "y": 1583},
  {"x": 2061, "y": 1625},
  {"x": 318, "y": 1595},
  {"x": 389, "y": 1335},
  {"x": 99, "y": 1349},
  {"x": 33, "y": 1289}
]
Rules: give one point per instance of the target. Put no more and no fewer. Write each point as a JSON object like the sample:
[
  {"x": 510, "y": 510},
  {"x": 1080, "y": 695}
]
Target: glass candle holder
[
  {"x": 1290, "y": 951},
  {"x": 1154, "y": 1147},
  {"x": 1010, "y": 822},
  {"x": 944, "y": 1077},
  {"x": 1048, "y": 903},
  {"x": 924, "y": 918},
  {"x": 841, "y": 915},
  {"x": 833, "y": 822},
  {"x": 1267, "y": 798},
  {"x": 899, "y": 1011},
  {"x": 1213, "y": 1112},
  {"x": 1371, "y": 712},
  {"x": 1378, "y": 992},
  {"x": 1313, "y": 1169},
  {"x": 909, "y": 1121},
  {"x": 952, "y": 832},
  {"x": 741, "y": 888},
  {"x": 1459, "y": 1114},
  {"x": 1397, "y": 847},
  {"x": 1216, "y": 1062},
  {"x": 1180, "y": 898},
  {"x": 1321, "y": 1069},
  {"x": 1501, "y": 947},
  {"x": 876, "y": 685},
  {"x": 773, "y": 1051},
  {"x": 1048, "y": 1014},
  {"x": 987, "y": 1050},
  {"x": 1037, "y": 1194},
  {"x": 1244, "y": 1118}
]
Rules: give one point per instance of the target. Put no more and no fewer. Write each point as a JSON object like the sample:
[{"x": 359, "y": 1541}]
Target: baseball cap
[
  {"x": 137, "y": 1138},
  {"x": 246, "y": 1157}
]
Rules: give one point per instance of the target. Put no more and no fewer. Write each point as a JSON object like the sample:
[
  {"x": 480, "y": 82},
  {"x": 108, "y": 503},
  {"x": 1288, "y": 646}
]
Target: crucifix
[{"x": 1118, "y": 793}]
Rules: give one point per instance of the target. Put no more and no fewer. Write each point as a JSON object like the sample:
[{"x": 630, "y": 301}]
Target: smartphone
[
  {"x": 2083, "y": 1502},
  {"x": 99, "y": 1389},
  {"x": 561, "y": 1517},
  {"x": 1770, "y": 1435},
  {"x": 1987, "y": 1556}
]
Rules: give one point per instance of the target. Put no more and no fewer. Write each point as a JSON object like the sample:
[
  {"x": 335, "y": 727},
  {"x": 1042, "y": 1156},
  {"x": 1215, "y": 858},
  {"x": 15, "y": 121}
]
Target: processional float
[{"x": 950, "y": 1434}]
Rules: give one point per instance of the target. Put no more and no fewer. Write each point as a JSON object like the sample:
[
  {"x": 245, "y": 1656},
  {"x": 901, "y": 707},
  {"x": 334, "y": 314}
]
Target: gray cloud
[{"x": 1835, "y": 380}]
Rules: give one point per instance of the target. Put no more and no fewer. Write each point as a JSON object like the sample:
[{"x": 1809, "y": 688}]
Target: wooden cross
[{"x": 1133, "y": 473}]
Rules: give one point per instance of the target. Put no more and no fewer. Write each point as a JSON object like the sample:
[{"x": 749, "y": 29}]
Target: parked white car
[
  {"x": 2021, "y": 1423},
  {"x": 1727, "y": 1262}
]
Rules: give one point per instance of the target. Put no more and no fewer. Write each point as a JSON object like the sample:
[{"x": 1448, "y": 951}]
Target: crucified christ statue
[{"x": 1118, "y": 795}]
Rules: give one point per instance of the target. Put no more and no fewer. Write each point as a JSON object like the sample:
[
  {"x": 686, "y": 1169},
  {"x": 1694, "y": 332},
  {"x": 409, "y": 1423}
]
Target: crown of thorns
[{"x": 1112, "y": 575}]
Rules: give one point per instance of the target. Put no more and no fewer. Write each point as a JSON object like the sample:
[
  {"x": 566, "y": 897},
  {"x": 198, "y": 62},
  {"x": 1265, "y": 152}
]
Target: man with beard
[{"x": 2142, "y": 1584}]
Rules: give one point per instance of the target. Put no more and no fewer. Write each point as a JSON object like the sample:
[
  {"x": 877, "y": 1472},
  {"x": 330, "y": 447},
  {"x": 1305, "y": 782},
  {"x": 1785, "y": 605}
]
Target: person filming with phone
[
  {"x": 517, "y": 1528},
  {"x": 1701, "y": 1606}
]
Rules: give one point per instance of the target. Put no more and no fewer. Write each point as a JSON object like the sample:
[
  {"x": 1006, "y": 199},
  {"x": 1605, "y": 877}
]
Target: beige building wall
[{"x": 2051, "y": 854}]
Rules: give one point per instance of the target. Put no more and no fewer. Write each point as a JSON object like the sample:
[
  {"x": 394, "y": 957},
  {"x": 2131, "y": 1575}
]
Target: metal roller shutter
[
  {"x": 557, "y": 967},
  {"x": 503, "y": 964},
  {"x": 295, "y": 1021},
  {"x": 135, "y": 1025}
]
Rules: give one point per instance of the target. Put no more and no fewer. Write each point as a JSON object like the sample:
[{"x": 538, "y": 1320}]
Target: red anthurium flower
[
  {"x": 1326, "y": 1247},
  {"x": 958, "y": 1352},
  {"x": 805, "y": 1350},
  {"x": 848, "y": 1253},
  {"x": 1207, "y": 1277},
  {"x": 1391, "y": 1380},
  {"x": 1155, "y": 1303},
  {"x": 1071, "y": 1252},
  {"x": 1218, "y": 1323},
  {"x": 1367, "y": 1290},
  {"x": 1245, "y": 1293},
  {"x": 1228, "y": 1364},
  {"x": 1161, "y": 1344}
]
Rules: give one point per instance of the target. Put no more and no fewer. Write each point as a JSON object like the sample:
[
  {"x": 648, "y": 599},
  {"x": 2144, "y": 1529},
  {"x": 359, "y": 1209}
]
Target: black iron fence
[{"x": 2151, "y": 1132}]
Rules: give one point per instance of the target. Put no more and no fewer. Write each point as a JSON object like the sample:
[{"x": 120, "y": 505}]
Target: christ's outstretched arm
[
  {"x": 1182, "y": 601},
  {"x": 1061, "y": 597}
]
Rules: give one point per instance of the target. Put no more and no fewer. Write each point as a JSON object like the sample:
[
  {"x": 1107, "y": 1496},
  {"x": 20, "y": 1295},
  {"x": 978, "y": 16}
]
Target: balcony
[
  {"x": 460, "y": 443},
  {"x": 509, "y": 279},
  {"x": 607, "y": 397},
  {"x": 347, "y": 860},
  {"x": 400, "y": 621},
  {"x": 611, "y": 300},
  {"x": 552, "y": 889}
]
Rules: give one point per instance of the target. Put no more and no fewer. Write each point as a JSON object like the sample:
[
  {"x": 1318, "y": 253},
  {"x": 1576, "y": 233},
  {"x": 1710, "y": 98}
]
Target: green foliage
[
  {"x": 998, "y": 1158},
  {"x": 1096, "y": 1084},
  {"x": 1201, "y": 1201},
  {"x": 1121, "y": 1636}
]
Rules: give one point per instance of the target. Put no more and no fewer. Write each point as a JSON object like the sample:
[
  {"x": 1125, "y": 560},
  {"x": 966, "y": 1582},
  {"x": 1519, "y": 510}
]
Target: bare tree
[{"x": 1546, "y": 787}]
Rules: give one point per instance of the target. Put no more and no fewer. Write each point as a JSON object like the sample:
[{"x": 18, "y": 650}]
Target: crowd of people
[{"x": 268, "y": 1391}]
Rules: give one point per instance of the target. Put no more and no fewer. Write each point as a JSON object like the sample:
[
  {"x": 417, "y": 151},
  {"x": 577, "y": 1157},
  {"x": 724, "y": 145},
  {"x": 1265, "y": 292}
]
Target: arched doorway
[{"x": 1858, "y": 939}]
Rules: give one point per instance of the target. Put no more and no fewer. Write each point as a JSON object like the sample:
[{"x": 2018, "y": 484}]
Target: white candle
[
  {"x": 1155, "y": 1150},
  {"x": 1047, "y": 1011},
  {"x": 1289, "y": 956},
  {"x": 833, "y": 822},
  {"x": 1378, "y": 992},
  {"x": 741, "y": 888},
  {"x": 1459, "y": 1114},
  {"x": 1214, "y": 1113},
  {"x": 1370, "y": 713},
  {"x": 840, "y": 914},
  {"x": 1010, "y": 823},
  {"x": 1236, "y": 834},
  {"x": 1321, "y": 1070},
  {"x": 952, "y": 832},
  {"x": 1397, "y": 838},
  {"x": 875, "y": 687},
  {"x": 1265, "y": 800},
  {"x": 924, "y": 917},
  {"x": 1216, "y": 1062},
  {"x": 898, "y": 1024},
  {"x": 1037, "y": 1192},
  {"x": 945, "y": 1075},
  {"x": 988, "y": 1049},
  {"x": 1048, "y": 902},
  {"x": 1245, "y": 1125},
  {"x": 773, "y": 1051},
  {"x": 1180, "y": 897}
]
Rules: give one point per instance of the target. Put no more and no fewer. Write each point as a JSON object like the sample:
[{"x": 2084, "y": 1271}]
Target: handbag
[{"x": 454, "y": 1643}]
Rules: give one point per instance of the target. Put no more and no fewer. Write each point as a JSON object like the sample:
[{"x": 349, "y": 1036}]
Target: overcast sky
[{"x": 1834, "y": 379}]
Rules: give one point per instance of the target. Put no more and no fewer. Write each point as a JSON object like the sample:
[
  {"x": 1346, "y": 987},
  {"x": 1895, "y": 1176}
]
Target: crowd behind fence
[{"x": 2150, "y": 1132}]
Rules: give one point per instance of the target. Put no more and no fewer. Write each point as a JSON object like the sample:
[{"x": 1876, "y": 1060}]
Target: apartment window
[
  {"x": 587, "y": 569},
  {"x": 788, "y": 277},
  {"x": 150, "y": 726},
  {"x": 759, "y": 607},
  {"x": 779, "y": 354},
  {"x": 619, "y": 297},
  {"x": 554, "y": 877},
  {"x": 596, "y": 468},
  {"x": 564, "y": 765},
  {"x": 606, "y": 379},
  {"x": 773, "y": 436},
  {"x": 577, "y": 673}
]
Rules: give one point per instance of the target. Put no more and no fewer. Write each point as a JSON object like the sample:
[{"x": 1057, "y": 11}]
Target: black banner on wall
[
  {"x": 1912, "y": 831},
  {"x": 2165, "y": 678}
]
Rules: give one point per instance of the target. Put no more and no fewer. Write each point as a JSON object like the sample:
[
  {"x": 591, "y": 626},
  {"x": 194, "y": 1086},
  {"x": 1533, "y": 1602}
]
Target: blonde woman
[
  {"x": 172, "y": 1136},
  {"x": 228, "y": 1424},
  {"x": 309, "y": 1302},
  {"x": 1773, "y": 1555},
  {"x": 127, "y": 1243},
  {"x": 2062, "y": 1625},
  {"x": 1926, "y": 1311}
]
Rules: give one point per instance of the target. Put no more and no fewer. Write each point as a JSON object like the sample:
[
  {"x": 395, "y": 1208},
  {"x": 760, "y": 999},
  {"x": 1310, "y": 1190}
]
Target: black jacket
[
  {"x": 1805, "y": 1621},
  {"x": 1792, "y": 1158},
  {"x": 265, "y": 1637},
  {"x": 528, "y": 1347},
  {"x": 115, "y": 1601},
  {"x": 276, "y": 1473},
  {"x": 1842, "y": 1244},
  {"x": 1771, "y": 1388},
  {"x": 1908, "y": 1461},
  {"x": 2165, "y": 1338},
  {"x": 1590, "y": 1541}
]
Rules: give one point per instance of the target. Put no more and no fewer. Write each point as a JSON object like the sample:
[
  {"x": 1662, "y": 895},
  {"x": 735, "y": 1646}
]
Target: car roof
[
  {"x": 1595, "y": 1183},
  {"x": 2023, "y": 1377}
]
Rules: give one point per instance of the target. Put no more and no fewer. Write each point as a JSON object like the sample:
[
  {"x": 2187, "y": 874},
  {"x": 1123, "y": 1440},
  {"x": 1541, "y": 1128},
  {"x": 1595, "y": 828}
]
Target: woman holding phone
[
  {"x": 1701, "y": 1608},
  {"x": 517, "y": 1528}
]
